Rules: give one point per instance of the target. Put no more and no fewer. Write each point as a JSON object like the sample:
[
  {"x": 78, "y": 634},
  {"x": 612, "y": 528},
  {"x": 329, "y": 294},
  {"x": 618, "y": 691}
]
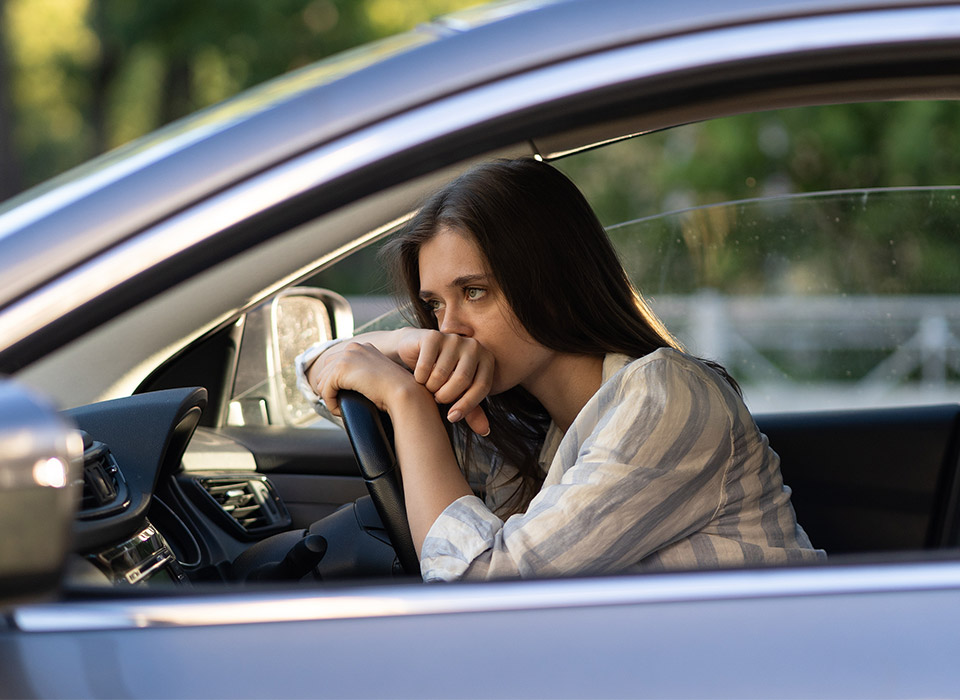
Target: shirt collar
[{"x": 612, "y": 363}]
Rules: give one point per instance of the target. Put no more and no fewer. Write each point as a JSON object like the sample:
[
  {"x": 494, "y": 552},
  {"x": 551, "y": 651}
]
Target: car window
[
  {"x": 811, "y": 251},
  {"x": 821, "y": 301},
  {"x": 813, "y": 299}
]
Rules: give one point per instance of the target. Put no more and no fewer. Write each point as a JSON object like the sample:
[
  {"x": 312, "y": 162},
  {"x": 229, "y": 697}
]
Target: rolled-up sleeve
[
  {"x": 641, "y": 467},
  {"x": 302, "y": 363},
  {"x": 463, "y": 532}
]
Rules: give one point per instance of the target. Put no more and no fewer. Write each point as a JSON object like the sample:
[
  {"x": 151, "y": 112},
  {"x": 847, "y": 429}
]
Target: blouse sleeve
[
  {"x": 303, "y": 362},
  {"x": 647, "y": 458}
]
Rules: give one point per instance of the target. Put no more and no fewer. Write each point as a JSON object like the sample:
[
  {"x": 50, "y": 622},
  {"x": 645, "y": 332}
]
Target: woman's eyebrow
[
  {"x": 466, "y": 280},
  {"x": 461, "y": 281}
]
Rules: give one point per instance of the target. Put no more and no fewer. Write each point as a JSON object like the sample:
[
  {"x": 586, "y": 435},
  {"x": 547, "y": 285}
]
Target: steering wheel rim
[{"x": 371, "y": 437}]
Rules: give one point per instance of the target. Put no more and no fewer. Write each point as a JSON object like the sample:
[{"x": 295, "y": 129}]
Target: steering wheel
[{"x": 371, "y": 436}]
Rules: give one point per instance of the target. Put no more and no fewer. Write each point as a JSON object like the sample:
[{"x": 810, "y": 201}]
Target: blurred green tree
[
  {"x": 79, "y": 77},
  {"x": 812, "y": 149},
  {"x": 9, "y": 158}
]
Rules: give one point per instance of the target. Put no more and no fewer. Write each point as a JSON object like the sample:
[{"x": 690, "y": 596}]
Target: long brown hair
[{"x": 557, "y": 270}]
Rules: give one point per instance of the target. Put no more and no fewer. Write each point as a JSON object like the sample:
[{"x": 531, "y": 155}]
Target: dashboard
[
  {"x": 166, "y": 503},
  {"x": 128, "y": 443}
]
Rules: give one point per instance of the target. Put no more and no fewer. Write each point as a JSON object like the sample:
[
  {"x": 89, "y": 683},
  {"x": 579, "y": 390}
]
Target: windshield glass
[{"x": 832, "y": 300}]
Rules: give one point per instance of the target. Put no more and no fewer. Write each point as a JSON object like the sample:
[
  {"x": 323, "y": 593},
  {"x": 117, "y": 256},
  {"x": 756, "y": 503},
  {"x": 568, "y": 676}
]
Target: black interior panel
[
  {"x": 147, "y": 434},
  {"x": 310, "y": 498},
  {"x": 297, "y": 450},
  {"x": 871, "y": 480}
]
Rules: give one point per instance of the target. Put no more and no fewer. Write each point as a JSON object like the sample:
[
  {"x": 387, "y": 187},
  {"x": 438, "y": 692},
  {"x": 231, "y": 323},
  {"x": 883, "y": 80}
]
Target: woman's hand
[
  {"x": 432, "y": 480},
  {"x": 455, "y": 369},
  {"x": 362, "y": 368}
]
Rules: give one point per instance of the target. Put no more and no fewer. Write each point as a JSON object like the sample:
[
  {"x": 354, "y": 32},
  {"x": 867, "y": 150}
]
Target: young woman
[{"x": 595, "y": 443}]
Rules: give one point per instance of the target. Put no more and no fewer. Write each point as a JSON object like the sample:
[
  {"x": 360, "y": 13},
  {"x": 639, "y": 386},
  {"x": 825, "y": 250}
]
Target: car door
[{"x": 884, "y": 627}]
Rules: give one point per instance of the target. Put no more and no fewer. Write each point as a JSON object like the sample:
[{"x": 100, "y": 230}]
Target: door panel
[
  {"x": 314, "y": 470},
  {"x": 871, "y": 480}
]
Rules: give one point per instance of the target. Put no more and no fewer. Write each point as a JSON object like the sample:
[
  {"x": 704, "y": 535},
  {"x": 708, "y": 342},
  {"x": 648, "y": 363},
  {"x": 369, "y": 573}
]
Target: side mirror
[
  {"x": 265, "y": 386},
  {"x": 41, "y": 464}
]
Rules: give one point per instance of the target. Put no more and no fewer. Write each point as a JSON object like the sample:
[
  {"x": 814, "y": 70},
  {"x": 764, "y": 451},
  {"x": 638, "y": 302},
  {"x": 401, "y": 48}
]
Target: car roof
[{"x": 101, "y": 204}]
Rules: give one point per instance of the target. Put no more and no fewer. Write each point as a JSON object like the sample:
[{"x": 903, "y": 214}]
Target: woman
[{"x": 596, "y": 444}]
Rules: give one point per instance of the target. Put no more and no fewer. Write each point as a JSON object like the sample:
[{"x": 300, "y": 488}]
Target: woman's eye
[
  {"x": 474, "y": 293},
  {"x": 432, "y": 305}
]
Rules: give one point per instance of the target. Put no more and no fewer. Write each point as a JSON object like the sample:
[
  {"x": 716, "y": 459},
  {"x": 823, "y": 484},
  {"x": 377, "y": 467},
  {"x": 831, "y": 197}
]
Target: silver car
[{"x": 176, "y": 522}]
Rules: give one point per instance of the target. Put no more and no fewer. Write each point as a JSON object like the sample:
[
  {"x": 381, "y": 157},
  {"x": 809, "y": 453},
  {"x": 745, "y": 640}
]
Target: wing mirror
[
  {"x": 41, "y": 463},
  {"x": 265, "y": 385}
]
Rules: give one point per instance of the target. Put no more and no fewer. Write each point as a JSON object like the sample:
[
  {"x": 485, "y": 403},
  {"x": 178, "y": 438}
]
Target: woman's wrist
[{"x": 408, "y": 396}]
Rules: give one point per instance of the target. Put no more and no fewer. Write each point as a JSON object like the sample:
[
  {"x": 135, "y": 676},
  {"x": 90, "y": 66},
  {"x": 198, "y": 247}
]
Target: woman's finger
[
  {"x": 452, "y": 350},
  {"x": 450, "y": 385},
  {"x": 327, "y": 391},
  {"x": 478, "y": 422},
  {"x": 446, "y": 369},
  {"x": 430, "y": 348},
  {"x": 477, "y": 391}
]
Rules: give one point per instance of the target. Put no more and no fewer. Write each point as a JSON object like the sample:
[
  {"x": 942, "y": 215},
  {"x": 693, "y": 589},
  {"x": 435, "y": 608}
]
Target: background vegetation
[{"x": 80, "y": 77}]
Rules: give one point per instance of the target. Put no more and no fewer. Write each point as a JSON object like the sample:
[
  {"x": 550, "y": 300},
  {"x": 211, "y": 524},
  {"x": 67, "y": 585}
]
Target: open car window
[
  {"x": 811, "y": 251},
  {"x": 829, "y": 283}
]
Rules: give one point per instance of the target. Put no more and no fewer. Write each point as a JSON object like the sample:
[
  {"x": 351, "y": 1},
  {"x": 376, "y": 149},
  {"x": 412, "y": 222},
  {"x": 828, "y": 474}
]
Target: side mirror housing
[
  {"x": 265, "y": 386},
  {"x": 41, "y": 464}
]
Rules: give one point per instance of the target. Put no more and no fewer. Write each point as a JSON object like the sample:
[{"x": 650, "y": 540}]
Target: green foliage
[
  {"x": 842, "y": 147},
  {"x": 86, "y": 76},
  {"x": 888, "y": 144}
]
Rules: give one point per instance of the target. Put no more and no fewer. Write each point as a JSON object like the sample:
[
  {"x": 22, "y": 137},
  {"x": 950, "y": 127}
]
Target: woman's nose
[{"x": 452, "y": 322}]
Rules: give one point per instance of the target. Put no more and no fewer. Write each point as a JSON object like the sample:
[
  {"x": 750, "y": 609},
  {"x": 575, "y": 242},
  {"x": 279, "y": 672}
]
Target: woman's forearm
[{"x": 431, "y": 478}]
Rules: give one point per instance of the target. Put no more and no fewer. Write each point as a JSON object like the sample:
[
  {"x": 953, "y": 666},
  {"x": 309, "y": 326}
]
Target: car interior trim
[
  {"x": 769, "y": 41},
  {"x": 392, "y": 601},
  {"x": 208, "y": 450}
]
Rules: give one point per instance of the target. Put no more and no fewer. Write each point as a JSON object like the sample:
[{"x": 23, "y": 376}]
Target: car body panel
[
  {"x": 172, "y": 247},
  {"x": 655, "y": 636}
]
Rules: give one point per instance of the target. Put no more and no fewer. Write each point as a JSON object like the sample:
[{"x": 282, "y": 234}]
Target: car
[{"x": 178, "y": 522}]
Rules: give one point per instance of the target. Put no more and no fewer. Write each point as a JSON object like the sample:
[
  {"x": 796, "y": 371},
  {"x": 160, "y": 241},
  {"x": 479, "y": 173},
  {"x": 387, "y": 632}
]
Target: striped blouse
[{"x": 663, "y": 468}]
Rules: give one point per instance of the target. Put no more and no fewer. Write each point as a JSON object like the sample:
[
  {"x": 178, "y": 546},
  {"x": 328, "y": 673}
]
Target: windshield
[{"x": 830, "y": 300}]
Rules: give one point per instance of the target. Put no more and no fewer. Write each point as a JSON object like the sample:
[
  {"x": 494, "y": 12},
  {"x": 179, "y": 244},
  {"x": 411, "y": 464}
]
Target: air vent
[
  {"x": 104, "y": 490},
  {"x": 250, "y": 503}
]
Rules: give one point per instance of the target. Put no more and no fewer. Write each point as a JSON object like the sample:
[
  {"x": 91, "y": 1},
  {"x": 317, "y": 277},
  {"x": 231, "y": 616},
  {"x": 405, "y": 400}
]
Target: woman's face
[{"x": 456, "y": 283}]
